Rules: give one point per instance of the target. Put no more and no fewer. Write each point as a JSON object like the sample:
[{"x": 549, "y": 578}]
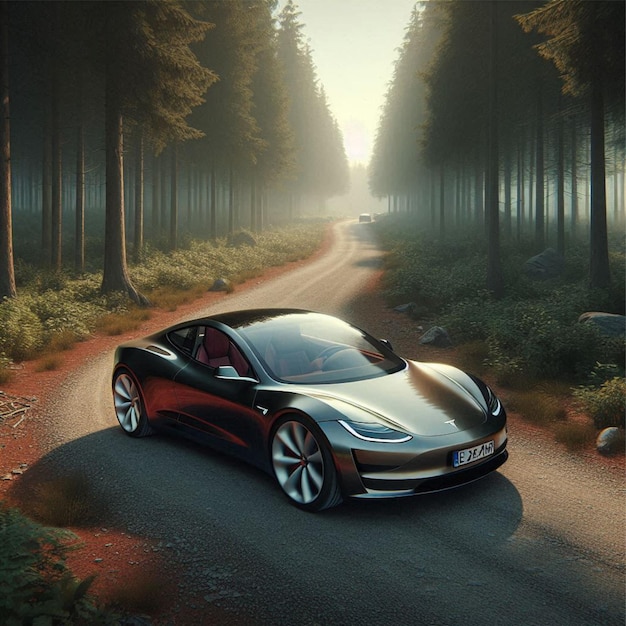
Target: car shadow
[{"x": 129, "y": 479}]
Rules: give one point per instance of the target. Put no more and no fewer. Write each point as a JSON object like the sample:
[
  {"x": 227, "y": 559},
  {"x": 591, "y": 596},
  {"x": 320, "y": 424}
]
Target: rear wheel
[
  {"x": 129, "y": 405},
  {"x": 303, "y": 465}
]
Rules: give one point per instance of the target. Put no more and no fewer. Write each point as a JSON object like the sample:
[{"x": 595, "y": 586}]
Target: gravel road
[{"x": 539, "y": 542}]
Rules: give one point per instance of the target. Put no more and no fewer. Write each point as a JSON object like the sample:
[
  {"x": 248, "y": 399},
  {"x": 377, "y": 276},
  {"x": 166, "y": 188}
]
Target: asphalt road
[{"x": 541, "y": 541}]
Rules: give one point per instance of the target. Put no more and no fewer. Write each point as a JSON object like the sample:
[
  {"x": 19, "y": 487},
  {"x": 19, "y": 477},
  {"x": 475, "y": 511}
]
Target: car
[
  {"x": 328, "y": 410},
  {"x": 365, "y": 218}
]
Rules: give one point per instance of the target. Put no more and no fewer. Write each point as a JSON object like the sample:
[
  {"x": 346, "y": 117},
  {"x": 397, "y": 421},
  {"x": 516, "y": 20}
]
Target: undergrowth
[
  {"x": 531, "y": 334},
  {"x": 37, "y": 585},
  {"x": 53, "y": 310}
]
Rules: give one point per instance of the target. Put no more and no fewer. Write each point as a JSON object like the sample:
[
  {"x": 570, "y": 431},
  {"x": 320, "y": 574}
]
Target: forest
[
  {"x": 145, "y": 123},
  {"x": 151, "y": 120},
  {"x": 517, "y": 110}
]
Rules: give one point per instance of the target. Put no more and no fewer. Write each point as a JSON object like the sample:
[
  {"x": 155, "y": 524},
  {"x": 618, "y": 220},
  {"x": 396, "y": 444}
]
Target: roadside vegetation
[
  {"x": 529, "y": 340},
  {"x": 37, "y": 585},
  {"x": 53, "y": 310}
]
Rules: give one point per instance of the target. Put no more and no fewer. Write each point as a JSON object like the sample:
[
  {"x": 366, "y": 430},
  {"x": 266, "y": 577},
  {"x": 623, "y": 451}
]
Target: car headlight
[
  {"x": 377, "y": 433},
  {"x": 495, "y": 407}
]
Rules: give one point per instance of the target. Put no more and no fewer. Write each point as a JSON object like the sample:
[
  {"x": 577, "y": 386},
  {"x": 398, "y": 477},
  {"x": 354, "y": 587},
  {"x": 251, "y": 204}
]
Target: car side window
[
  {"x": 184, "y": 339},
  {"x": 215, "y": 348}
]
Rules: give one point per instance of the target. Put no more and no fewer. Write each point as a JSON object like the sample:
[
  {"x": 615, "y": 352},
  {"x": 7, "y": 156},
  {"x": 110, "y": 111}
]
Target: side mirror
[
  {"x": 387, "y": 343},
  {"x": 228, "y": 372}
]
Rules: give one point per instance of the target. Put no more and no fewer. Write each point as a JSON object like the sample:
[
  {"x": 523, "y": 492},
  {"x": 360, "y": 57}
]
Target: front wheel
[
  {"x": 303, "y": 465},
  {"x": 129, "y": 405}
]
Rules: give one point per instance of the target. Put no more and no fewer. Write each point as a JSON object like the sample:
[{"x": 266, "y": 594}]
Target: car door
[{"x": 220, "y": 409}]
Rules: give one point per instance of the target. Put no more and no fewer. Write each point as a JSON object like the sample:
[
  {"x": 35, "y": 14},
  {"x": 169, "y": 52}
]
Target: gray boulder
[
  {"x": 436, "y": 336},
  {"x": 609, "y": 324},
  {"x": 220, "y": 284},
  {"x": 547, "y": 264},
  {"x": 610, "y": 441}
]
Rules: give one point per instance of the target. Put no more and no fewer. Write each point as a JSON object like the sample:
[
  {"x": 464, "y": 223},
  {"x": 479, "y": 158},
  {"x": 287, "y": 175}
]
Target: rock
[
  {"x": 608, "y": 324},
  {"x": 436, "y": 336},
  {"x": 409, "y": 307},
  {"x": 547, "y": 264},
  {"x": 241, "y": 238},
  {"x": 610, "y": 441},
  {"x": 220, "y": 284}
]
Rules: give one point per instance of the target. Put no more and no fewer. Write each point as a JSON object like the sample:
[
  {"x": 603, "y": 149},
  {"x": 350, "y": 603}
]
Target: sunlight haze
[{"x": 354, "y": 45}]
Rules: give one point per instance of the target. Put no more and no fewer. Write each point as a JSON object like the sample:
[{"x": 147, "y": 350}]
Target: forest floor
[{"x": 116, "y": 556}]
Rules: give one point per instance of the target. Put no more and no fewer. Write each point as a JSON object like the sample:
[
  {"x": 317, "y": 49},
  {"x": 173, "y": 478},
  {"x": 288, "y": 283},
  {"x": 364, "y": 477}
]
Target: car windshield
[{"x": 312, "y": 348}]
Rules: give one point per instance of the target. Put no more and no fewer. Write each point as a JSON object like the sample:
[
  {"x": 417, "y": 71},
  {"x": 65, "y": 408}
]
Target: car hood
[{"x": 424, "y": 399}]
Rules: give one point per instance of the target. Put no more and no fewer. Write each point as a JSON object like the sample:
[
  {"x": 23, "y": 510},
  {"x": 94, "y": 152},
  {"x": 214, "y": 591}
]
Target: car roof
[{"x": 236, "y": 319}]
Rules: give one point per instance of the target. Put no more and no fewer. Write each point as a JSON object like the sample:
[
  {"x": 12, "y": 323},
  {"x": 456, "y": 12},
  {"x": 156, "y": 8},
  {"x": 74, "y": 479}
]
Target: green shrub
[
  {"x": 37, "y": 585},
  {"x": 21, "y": 331},
  {"x": 605, "y": 404},
  {"x": 533, "y": 330}
]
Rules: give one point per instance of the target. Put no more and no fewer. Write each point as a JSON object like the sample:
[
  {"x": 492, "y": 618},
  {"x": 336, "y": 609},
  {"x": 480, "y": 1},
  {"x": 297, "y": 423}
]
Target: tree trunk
[
  {"x": 231, "y": 202},
  {"x": 540, "y": 239},
  {"x": 174, "y": 200},
  {"x": 139, "y": 200},
  {"x": 57, "y": 177},
  {"x": 79, "y": 230},
  {"x": 115, "y": 276},
  {"x": 560, "y": 188},
  {"x": 574, "y": 183},
  {"x": 46, "y": 190},
  {"x": 7, "y": 271},
  {"x": 495, "y": 281},
  {"x": 213, "y": 205},
  {"x": 442, "y": 211},
  {"x": 600, "y": 276}
]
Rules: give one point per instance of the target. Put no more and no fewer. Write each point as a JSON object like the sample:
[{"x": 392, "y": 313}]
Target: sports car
[{"x": 325, "y": 408}]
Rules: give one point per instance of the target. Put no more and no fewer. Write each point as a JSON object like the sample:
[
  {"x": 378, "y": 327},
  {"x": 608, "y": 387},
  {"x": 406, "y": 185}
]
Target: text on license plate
[{"x": 462, "y": 457}]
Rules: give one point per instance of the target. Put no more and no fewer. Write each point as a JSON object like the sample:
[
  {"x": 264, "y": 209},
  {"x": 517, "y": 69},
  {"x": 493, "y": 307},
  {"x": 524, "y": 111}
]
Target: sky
[{"x": 355, "y": 45}]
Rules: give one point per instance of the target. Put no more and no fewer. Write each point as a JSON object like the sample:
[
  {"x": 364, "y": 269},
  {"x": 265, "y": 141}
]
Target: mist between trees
[
  {"x": 148, "y": 118},
  {"x": 509, "y": 117}
]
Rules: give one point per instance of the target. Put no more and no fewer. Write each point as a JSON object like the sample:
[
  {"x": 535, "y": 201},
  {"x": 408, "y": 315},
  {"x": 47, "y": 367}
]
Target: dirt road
[{"x": 539, "y": 542}]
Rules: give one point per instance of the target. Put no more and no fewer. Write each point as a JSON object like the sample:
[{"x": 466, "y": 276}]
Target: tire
[
  {"x": 303, "y": 465},
  {"x": 130, "y": 408}
]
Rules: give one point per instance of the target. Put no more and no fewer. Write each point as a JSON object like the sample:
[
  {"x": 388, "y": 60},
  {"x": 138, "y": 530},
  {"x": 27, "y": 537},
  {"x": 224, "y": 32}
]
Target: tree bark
[
  {"x": 560, "y": 188},
  {"x": 79, "y": 231},
  {"x": 139, "y": 200},
  {"x": 7, "y": 271},
  {"x": 495, "y": 281},
  {"x": 46, "y": 194},
  {"x": 57, "y": 178},
  {"x": 173, "y": 239},
  {"x": 600, "y": 275},
  {"x": 540, "y": 238},
  {"x": 115, "y": 276}
]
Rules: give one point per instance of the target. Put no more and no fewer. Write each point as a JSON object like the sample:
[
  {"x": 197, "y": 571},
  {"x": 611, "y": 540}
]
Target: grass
[
  {"x": 113, "y": 324},
  {"x": 538, "y": 407},
  {"x": 49, "y": 363},
  {"x": 62, "y": 501},
  {"x": 573, "y": 435},
  {"x": 62, "y": 341},
  {"x": 170, "y": 298}
]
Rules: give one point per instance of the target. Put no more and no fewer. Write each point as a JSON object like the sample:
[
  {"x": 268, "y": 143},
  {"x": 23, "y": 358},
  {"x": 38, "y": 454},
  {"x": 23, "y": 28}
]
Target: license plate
[{"x": 469, "y": 455}]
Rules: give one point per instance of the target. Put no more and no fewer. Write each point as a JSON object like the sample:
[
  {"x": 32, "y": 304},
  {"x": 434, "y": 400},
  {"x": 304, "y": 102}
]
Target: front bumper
[{"x": 424, "y": 465}]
